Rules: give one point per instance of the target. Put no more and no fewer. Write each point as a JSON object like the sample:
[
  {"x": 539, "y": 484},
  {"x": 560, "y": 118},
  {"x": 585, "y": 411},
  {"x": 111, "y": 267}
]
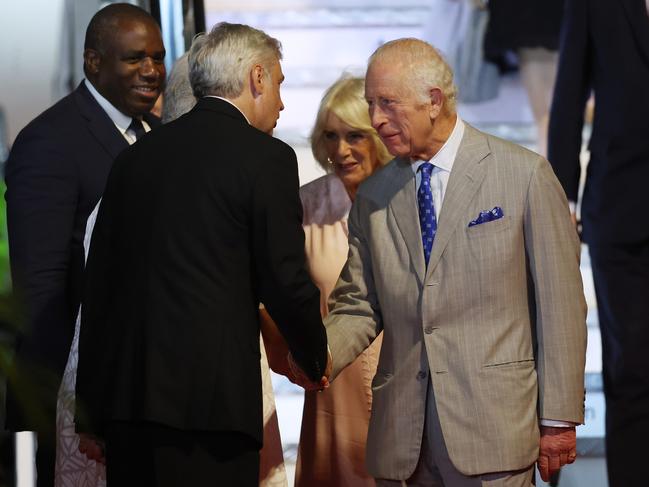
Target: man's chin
[
  {"x": 393, "y": 146},
  {"x": 139, "y": 107},
  {"x": 398, "y": 151}
]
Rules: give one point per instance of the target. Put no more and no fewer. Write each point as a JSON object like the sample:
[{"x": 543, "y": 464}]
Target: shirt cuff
[
  {"x": 573, "y": 206},
  {"x": 555, "y": 423}
]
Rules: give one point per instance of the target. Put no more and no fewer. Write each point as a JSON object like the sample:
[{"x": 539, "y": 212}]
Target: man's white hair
[
  {"x": 220, "y": 62},
  {"x": 178, "y": 97},
  {"x": 423, "y": 68}
]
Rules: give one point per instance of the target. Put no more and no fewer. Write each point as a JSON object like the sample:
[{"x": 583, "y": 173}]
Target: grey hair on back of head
[
  {"x": 220, "y": 61},
  {"x": 178, "y": 96}
]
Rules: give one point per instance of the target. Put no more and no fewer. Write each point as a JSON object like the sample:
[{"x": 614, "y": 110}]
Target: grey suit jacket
[{"x": 497, "y": 320}]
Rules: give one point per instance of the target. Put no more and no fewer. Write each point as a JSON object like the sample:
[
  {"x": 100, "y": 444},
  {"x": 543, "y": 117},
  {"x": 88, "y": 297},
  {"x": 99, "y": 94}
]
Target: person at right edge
[{"x": 605, "y": 49}]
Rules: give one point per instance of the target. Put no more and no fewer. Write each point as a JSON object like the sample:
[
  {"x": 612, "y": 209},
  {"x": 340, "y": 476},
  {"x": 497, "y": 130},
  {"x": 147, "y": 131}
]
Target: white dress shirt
[
  {"x": 120, "y": 120},
  {"x": 443, "y": 162}
]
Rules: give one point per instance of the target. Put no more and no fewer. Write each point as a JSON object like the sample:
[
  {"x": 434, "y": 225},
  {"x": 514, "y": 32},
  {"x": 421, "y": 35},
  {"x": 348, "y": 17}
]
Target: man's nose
[
  {"x": 377, "y": 117},
  {"x": 147, "y": 68}
]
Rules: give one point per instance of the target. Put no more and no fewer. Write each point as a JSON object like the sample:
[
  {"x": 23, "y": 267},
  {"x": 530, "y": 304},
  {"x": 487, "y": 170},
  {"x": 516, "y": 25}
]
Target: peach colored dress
[{"x": 334, "y": 422}]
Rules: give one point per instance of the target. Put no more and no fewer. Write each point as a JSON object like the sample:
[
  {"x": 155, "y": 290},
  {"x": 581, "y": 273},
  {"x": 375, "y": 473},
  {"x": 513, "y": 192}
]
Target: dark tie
[
  {"x": 137, "y": 128},
  {"x": 427, "y": 219}
]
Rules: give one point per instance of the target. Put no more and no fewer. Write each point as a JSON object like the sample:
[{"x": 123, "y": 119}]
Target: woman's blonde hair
[{"x": 345, "y": 99}]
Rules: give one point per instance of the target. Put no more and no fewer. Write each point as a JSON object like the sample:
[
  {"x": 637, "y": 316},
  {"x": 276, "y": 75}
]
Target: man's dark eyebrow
[
  {"x": 141, "y": 54},
  {"x": 134, "y": 53}
]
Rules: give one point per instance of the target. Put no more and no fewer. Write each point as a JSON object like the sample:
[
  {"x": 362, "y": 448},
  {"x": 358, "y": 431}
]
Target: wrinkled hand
[
  {"x": 558, "y": 448},
  {"x": 301, "y": 379},
  {"x": 92, "y": 447}
]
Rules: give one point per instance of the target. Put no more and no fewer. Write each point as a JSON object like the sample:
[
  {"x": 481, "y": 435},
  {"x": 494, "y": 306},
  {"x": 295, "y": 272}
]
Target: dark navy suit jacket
[
  {"x": 605, "y": 48},
  {"x": 199, "y": 223},
  {"x": 55, "y": 174}
]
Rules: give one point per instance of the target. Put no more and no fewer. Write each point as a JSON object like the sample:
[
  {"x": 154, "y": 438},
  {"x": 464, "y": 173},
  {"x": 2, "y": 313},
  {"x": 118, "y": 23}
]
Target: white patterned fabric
[{"x": 73, "y": 469}]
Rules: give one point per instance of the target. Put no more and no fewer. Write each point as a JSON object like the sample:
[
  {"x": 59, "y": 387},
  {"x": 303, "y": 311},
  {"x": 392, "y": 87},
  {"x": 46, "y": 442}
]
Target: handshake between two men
[{"x": 299, "y": 377}]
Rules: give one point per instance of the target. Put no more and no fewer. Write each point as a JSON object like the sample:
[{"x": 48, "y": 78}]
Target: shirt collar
[
  {"x": 225, "y": 99},
  {"x": 445, "y": 157},
  {"x": 120, "y": 120}
]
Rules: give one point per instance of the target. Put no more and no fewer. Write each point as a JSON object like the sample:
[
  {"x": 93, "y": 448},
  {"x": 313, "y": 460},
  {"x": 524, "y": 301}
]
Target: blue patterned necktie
[{"x": 427, "y": 219}]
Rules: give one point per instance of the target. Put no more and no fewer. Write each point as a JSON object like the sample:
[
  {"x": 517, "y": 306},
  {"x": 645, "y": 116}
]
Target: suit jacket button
[{"x": 421, "y": 375}]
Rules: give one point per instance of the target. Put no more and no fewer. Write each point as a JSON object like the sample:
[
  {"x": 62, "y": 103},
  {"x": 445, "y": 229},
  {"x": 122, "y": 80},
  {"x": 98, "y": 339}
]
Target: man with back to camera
[
  {"x": 199, "y": 223},
  {"x": 55, "y": 176},
  {"x": 462, "y": 252},
  {"x": 605, "y": 49}
]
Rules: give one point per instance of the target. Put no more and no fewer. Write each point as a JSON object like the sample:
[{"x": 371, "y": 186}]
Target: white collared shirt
[
  {"x": 120, "y": 120},
  {"x": 225, "y": 99},
  {"x": 443, "y": 164}
]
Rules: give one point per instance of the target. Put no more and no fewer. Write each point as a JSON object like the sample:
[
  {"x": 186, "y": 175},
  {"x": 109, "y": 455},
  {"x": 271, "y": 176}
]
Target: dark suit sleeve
[
  {"x": 572, "y": 88},
  {"x": 42, "y": 194},
  {"x": 286, "y": 289}
]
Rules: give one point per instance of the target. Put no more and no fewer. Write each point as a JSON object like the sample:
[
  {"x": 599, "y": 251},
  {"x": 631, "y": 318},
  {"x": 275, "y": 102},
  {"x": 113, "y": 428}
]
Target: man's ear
[
  {"x": 257, "y": 80},
  {"x": 436, "y": 102},
  {"x": 91, "y": 61}
]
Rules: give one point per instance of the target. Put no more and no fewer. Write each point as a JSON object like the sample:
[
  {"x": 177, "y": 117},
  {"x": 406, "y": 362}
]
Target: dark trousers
[
  {"x": 621, "y": 275},
  {"x": 45, "y": 459},
  {"x": 148, "y": 454}
]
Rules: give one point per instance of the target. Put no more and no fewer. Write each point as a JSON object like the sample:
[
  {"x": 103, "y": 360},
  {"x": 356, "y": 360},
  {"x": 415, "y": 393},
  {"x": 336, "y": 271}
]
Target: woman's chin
[{"x": 351, "y": 181}]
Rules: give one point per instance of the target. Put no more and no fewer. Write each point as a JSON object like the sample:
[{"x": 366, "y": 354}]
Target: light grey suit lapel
[
  {"x": 404, "y": 207},
  {"x": 467, "y": 174}
]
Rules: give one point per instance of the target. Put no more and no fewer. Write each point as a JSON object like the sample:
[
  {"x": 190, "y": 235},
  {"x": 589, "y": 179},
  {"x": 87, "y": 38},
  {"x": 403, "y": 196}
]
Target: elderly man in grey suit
[{"x": 462, "y": 251}]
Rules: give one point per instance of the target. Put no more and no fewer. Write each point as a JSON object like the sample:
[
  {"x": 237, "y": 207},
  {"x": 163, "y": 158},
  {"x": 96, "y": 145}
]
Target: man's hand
[
  {"x": 92, "y": 447},
  {"x": 301, "y": 379},
  {"x": 558, "y": 447}
]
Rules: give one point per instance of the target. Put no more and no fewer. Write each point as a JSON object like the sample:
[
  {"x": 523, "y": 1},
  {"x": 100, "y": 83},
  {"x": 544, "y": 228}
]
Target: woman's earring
[{"x": 330, "y": 161}]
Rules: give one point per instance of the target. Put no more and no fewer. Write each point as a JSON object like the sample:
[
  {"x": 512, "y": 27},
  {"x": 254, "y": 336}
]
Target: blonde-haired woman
[{"x": 335, "y": 422}]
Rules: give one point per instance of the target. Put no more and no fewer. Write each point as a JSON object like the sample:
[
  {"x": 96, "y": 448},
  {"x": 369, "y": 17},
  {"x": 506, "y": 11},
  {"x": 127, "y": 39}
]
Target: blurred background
[{"x": 41, "y": 61}]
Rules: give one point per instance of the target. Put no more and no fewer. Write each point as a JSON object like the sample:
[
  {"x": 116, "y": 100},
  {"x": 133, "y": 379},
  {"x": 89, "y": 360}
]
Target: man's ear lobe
[{"x": 91, "y": 60}]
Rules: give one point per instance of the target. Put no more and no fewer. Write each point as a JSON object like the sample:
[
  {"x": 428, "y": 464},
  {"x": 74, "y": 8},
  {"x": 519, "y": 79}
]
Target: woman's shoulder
[
  {"x": 324, "y": 200},
  {"x": 322, "y": 184}
]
